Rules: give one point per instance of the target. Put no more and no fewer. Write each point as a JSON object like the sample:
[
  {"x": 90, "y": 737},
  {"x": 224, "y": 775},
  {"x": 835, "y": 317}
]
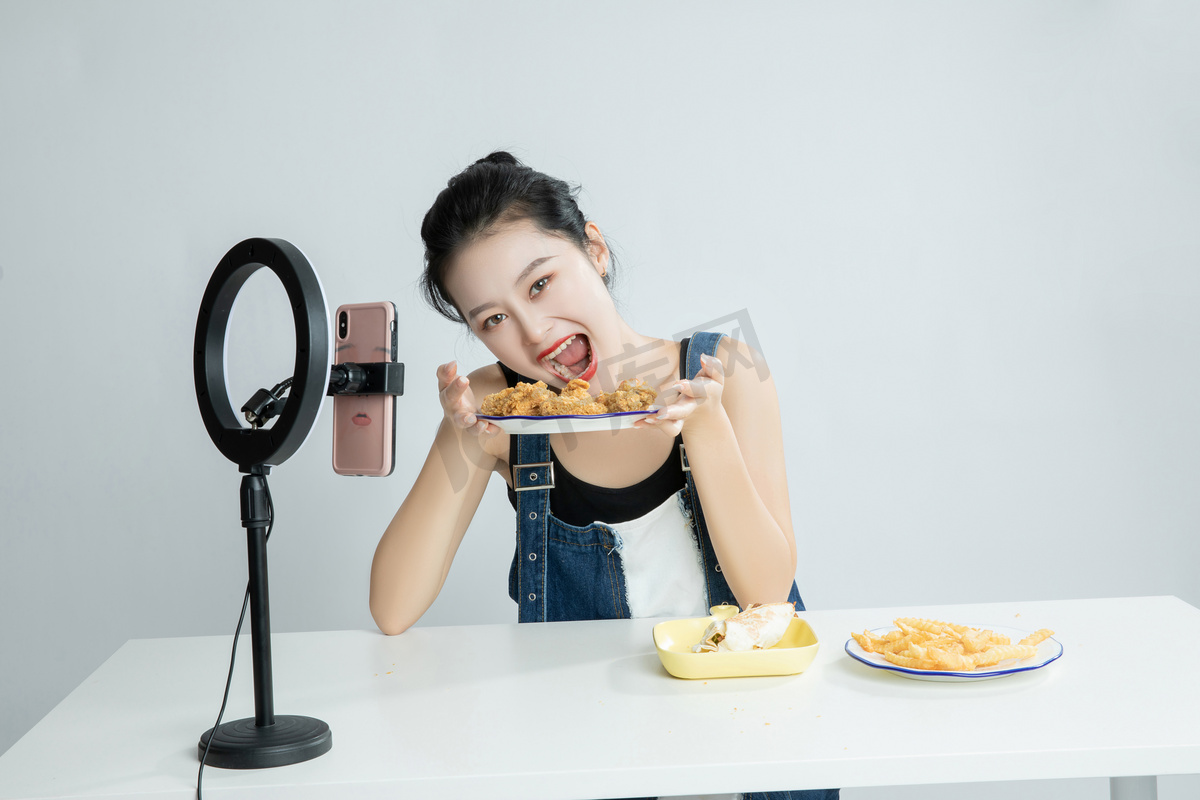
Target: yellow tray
[{"x": 674, "y": 639}]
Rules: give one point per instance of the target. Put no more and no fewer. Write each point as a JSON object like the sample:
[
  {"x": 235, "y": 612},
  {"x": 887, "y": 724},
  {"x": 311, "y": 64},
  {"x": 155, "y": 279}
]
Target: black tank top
[{"x": 576, "y": 502}]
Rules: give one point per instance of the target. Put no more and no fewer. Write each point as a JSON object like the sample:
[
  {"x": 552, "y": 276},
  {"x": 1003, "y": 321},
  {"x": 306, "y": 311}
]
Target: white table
[{"x": 584, "y": 710}]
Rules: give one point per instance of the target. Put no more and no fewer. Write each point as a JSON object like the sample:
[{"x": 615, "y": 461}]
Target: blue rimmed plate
[
  {"x": 1048, "y": 651},
  {"x": 568, "y": 423}
]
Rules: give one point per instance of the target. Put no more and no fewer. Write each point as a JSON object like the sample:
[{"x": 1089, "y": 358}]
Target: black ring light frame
[
  {"x": 269, "y": 446},
  {"x": 266, "y": 740}
]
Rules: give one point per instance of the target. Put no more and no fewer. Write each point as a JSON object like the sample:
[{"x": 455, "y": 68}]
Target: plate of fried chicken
[{"x": 536, "y": 408}]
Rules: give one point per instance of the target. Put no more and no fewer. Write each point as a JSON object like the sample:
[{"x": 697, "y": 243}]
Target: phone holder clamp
[{"x": 384, "y": 377}]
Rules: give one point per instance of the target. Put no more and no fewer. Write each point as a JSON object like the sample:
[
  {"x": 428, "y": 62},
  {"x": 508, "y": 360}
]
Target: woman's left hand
[{"x": 688, "y": 401}]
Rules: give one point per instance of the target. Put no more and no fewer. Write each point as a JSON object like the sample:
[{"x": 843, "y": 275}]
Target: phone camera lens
[{"x": 343, "y": 325}]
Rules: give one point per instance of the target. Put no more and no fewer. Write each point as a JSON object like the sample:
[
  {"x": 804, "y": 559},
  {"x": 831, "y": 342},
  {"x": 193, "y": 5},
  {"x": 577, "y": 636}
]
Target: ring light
[
  {"x": 272, "y": 446},
  {"x": 266, "y": 740}
]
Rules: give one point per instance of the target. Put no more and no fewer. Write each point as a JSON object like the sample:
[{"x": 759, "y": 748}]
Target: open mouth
[{"x": 571, "y": 358}]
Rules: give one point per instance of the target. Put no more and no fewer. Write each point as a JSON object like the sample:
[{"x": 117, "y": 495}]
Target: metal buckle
[
  {"x": 517, "y": 487},
  {"x": 683, "y": 459}
]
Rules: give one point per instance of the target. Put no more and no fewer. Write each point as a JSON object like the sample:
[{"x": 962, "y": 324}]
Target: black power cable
[
  {"x": 233, "y": 654},
  {"x": 266, "y": 404}
]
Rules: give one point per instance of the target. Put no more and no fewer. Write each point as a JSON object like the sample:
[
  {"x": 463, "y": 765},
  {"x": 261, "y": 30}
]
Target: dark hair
[{"x": 494, "y": 190}]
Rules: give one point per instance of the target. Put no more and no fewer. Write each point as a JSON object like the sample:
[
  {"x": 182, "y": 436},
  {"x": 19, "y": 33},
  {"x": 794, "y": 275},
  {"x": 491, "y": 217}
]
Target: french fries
[{"x": 931, "y": 644}]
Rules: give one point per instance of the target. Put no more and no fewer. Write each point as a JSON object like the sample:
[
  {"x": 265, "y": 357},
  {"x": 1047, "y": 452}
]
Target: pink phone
[{"x": 364, "y": 440}]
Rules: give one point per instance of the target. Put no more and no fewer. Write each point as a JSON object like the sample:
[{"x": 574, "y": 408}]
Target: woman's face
[{"x": 537, "y": 301}]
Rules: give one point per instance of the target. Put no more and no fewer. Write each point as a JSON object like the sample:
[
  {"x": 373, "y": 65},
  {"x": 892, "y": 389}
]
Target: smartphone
[{"x": 364, "y": 426}]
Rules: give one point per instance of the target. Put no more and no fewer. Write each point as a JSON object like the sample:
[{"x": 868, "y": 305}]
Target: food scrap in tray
[
  {"x": 537, "y": 400},
  {"x": 760, "y": 626},
  {"x": 927, "y": 644}
]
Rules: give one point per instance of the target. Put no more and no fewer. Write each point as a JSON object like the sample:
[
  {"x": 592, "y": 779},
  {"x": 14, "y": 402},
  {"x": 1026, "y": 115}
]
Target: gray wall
[{"x": 963, "y": 234}]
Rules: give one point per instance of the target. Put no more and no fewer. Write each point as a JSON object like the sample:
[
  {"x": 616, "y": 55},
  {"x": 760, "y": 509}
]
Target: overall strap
[
  {"x": 698, "y": 344},
  {"x": 533, "y": 478},
  {"x": 718, "y": 589}
]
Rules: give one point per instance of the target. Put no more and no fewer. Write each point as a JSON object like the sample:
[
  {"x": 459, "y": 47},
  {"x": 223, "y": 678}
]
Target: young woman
[{"x": 685, "y": 510}]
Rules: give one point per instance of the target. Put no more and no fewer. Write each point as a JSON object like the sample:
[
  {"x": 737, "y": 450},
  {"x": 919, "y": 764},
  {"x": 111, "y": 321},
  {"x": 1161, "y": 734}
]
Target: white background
[{"x": 963, "y": 234}]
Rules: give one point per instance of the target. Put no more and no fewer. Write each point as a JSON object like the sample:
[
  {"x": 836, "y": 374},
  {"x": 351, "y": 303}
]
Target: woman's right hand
[{"x": 458, "y": 402}]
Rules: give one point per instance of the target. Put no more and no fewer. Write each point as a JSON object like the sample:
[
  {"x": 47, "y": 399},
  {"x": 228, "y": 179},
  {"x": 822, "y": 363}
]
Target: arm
[
  {"x": 731, "y": 427},
  {"x": 414, "y": 555}
]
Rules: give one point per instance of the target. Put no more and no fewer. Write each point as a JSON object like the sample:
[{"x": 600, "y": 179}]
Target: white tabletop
[{"x": 584, "y": 710}]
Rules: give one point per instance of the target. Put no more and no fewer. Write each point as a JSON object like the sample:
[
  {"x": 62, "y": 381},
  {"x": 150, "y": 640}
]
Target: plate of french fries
[{"x": 934, "y": 650}]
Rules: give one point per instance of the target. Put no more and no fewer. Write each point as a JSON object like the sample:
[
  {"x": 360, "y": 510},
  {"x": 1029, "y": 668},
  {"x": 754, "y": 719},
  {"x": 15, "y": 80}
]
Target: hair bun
[{"x": 500, "y": 157}]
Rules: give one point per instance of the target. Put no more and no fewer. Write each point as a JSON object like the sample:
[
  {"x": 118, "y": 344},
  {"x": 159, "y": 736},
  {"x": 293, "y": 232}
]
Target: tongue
[{"x": 576, "y": 352}]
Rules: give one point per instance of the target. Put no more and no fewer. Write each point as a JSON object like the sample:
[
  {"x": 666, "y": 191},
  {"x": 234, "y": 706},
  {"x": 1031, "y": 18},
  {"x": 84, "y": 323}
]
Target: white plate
[
  {"x": 1049, "y": 650},
  {"x": 573, "y": 423}
]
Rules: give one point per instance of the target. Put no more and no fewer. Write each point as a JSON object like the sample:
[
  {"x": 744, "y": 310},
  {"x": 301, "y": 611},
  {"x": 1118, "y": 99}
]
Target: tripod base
[{"x": 243, "y": 745}]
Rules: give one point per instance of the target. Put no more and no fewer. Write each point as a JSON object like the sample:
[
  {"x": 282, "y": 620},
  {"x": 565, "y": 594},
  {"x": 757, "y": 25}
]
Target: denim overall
[{"x": 567, "y": 572}]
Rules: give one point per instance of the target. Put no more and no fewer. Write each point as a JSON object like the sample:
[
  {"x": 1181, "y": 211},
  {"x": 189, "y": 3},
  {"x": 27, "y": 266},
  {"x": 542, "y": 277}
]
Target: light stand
[{"x": 266, "y": 740}]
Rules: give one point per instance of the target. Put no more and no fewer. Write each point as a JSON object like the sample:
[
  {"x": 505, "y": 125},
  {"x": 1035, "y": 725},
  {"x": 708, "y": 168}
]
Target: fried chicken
[
  {"x": 629, "y": 396},
  {"x": 522, "y": 400},
  {"x": 573, "y": 399},
  {"x": 537, "y": 400}
]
